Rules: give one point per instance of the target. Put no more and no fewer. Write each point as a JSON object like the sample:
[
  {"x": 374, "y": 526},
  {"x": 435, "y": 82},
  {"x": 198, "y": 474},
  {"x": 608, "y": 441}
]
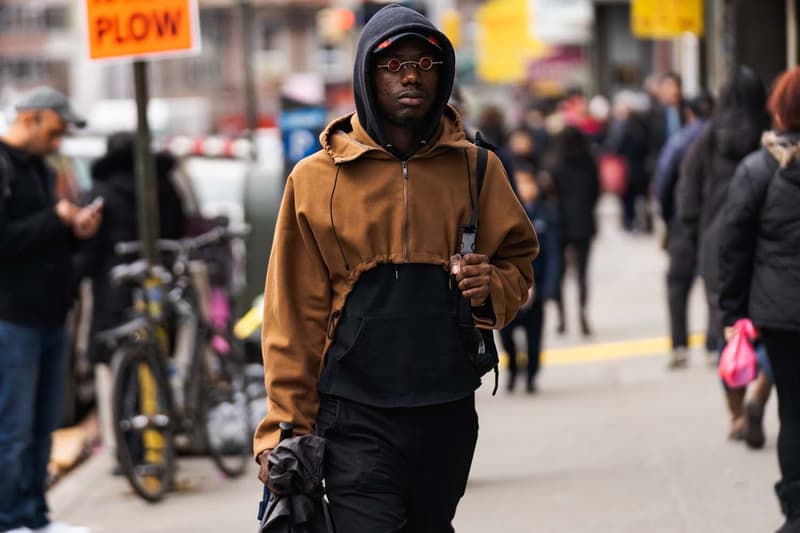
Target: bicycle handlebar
[
  {"x": 189, "y": 244},
  {"x": 137, "y": 271}
]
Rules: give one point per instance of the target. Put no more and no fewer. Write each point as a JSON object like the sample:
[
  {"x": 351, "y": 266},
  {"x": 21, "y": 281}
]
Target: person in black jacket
[
  {"x": 577, "y": 186},
  {"x": 38, "y": 237},
  {"x": 114, "y": 180},
  {"x": 759, "y": 261},
  {"x": 733, "y": 132}
]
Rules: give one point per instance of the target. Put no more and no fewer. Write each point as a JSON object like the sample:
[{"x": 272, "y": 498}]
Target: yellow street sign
[
  {"x": 505, "y": 45},
  {"x": 664, "y": 19}
]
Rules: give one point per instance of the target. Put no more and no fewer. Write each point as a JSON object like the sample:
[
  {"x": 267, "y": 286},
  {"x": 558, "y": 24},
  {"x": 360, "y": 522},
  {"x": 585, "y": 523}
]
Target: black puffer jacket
[
  {"x": 759, "y": 249},
  {"x": 702, "y": 188}
]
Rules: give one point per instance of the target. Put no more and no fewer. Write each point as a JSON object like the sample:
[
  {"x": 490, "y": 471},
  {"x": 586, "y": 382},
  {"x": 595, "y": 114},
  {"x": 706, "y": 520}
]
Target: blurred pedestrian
[
  {"x": 759, "y": 258},
  {"x": 530, "y": 318},
  {"x": 681, "y": 248},
  {"x": 38, "y": 237},
  {"x": 664, "y": 119},
  {"x": 492, "y": 125},
  {"x": 360, "y": 341},
  {"x": 733, "y": 132},
  {"x": 535, "y": 121},
  {"x": 114, "y": 180},
  {"x": 574, "y": 173},
  {"x": 627, "y": 138}
]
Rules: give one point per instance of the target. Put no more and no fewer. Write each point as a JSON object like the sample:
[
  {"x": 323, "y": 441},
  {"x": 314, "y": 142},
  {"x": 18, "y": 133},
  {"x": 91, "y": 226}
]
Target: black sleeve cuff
[{"x": 485, "y": 311}]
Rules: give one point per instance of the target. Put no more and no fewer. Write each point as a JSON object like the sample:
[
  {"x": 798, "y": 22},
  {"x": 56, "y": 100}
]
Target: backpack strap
[
  {"x": 480, "y": 173},
  {"x": 6, "y": 175}
]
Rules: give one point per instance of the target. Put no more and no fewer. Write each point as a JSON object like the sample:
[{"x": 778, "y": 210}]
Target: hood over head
[
  {"x": 119, "y": 162},
  {"x": 395, "y": 21},
  {"x": 735, "y": 134}
]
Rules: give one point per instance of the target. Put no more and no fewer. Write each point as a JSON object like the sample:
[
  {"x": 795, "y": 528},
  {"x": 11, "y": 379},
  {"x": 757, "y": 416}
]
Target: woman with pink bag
[{"x": 759, "y": 270}]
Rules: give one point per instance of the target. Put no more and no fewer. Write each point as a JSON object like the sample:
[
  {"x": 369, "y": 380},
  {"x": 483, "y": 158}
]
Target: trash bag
[{"x": 738, "y": 365}]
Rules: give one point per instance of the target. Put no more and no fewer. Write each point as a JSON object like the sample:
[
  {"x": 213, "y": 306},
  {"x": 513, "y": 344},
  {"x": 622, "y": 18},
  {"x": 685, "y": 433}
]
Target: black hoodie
[{"x": 389, "y": 21}]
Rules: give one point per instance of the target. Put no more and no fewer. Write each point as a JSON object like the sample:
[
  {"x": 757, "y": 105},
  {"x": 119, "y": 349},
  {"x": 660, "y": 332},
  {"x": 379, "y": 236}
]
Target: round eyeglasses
[{"x": 424, "y": 63}]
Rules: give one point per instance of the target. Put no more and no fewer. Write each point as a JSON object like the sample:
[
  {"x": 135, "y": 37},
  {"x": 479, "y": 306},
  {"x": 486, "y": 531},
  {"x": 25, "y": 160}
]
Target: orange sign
[{"x": 140, "y": 28}]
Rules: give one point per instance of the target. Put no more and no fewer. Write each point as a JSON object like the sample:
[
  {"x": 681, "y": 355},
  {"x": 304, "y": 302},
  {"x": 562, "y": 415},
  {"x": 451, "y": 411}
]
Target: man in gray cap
[{"x": 38, "y": 236}]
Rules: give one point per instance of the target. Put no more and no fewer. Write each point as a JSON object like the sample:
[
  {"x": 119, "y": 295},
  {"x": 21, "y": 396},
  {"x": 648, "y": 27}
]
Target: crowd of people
[{"x": 722, "y": 175}]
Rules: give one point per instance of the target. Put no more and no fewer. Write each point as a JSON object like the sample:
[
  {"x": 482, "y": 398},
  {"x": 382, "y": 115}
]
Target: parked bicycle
[{"x": 193, "y": 388}]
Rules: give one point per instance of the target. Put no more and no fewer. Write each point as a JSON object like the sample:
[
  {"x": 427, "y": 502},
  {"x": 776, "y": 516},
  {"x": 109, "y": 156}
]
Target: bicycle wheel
[
  {"x": 143, "y": 425},
  {"x": 225, "y": 414}
]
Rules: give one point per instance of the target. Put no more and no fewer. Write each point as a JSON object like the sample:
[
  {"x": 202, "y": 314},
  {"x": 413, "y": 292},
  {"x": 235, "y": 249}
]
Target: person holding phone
[{"x": 38, "y": 237}]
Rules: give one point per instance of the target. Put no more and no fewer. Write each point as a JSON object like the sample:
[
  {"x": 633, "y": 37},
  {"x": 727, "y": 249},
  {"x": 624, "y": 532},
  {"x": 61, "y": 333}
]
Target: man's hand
[
  {"x": 87, "y": 221},
  {"x": 263, "y": 472},
  {"x": 730, "y": 331},
  {"x": 531, "y": 298},
  {"x": 474, "y": 278},
  {"x": 67, "y": 211}
]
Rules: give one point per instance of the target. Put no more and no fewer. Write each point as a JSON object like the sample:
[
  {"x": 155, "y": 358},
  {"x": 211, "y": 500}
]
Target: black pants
[
  {"x": 678, "y": 288},
  {"x": 532, "y": 320},
  {"x": 582, "y": 249},
  {"x": 783, "y": 350},
  {"x": 396, "y": 469}
]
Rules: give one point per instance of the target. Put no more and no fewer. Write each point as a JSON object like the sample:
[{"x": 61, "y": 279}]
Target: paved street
[{"x": 613, "y": 443}]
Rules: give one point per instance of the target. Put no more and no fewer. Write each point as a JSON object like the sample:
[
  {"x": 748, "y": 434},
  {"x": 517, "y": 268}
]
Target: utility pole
[
  {"x": 251, "y": 103},
  {"x": 791, "y": 34}
]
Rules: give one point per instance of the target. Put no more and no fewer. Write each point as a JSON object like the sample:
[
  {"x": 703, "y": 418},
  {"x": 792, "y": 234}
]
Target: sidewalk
[{"x": 620, "y": 446}]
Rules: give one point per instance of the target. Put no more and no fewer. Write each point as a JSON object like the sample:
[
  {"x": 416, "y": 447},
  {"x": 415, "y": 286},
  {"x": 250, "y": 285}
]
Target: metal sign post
[{"x": 146, "y": 190}]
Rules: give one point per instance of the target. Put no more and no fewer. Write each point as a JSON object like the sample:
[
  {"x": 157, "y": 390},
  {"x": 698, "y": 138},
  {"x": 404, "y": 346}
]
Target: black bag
[{"x": 478, "y": 343}]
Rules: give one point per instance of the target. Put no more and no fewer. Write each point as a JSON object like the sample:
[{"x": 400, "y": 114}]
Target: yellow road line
[{"x": 610, "y": 351}]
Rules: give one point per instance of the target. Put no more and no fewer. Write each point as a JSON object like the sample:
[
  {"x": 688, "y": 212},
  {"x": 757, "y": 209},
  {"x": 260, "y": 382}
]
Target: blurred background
[{"x": 270, "y": 74}]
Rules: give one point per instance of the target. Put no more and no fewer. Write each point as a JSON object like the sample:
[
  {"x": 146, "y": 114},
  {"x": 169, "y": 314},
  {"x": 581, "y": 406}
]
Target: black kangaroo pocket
[{"x": 402, "y": 356}]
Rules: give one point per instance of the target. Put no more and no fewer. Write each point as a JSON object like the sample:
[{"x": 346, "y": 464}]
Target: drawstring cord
[{"x": 333, "y": 224}]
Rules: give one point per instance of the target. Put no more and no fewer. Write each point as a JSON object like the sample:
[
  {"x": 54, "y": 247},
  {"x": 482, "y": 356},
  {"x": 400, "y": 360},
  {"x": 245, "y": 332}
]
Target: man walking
[
  {"x": 38, "y": 236},
  {"x": 360, "y": 341}
]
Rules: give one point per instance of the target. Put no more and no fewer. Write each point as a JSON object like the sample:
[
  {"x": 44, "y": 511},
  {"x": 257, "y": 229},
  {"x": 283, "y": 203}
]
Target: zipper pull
[
  {"x": 396, "y": 273},
  {"x": 405, "y": 169}
]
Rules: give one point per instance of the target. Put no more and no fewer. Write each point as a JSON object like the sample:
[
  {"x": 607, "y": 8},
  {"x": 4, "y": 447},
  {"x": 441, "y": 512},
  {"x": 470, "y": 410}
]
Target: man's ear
[{"x": 29, "y": 117}]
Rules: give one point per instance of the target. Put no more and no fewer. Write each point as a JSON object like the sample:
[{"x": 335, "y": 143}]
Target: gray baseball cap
[{"x": 49, "y": 98}]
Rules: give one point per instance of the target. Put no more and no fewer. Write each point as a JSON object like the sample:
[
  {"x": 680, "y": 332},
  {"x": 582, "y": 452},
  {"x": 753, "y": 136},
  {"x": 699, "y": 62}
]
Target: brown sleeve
[
  {"x": 297, "y": 299},
  {"x": 507, "y": 236}
]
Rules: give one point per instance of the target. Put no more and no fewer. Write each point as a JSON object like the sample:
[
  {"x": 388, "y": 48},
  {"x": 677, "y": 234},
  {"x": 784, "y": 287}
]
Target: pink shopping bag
[{"x": 738, "y": 365}]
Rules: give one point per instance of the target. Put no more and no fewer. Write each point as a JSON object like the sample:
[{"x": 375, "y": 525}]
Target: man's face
[
  {"x": 405, "y": 97},
  {"x": 670, "y": 92},
  {"x": 45, "y": 130}
]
